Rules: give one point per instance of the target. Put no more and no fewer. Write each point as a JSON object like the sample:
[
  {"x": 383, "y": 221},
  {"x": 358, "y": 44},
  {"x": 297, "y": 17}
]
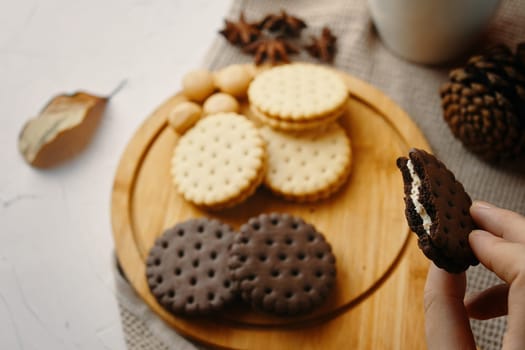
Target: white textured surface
[{"x": 56, "y": 285}]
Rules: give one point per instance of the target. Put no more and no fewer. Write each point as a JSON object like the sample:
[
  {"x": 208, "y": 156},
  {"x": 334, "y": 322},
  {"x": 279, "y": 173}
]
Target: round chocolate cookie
[
  {"x": 437, "y": 210},
  {"x": 187, "y": 268},
  {"x": 282, "y": 264}
]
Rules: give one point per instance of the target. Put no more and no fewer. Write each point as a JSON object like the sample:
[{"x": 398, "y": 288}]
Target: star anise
[
  {"x": 241, "y": 32},
  {"x": 271, "y": 49},
  {"x": 284, "y": 23},
  {"x": 323, "y": 47}
]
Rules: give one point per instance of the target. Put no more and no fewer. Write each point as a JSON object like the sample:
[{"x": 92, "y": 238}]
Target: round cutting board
[{"x": 364, "y": 222}]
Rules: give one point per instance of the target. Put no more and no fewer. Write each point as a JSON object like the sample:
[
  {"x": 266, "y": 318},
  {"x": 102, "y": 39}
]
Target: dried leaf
[{"x": 62, "y": 129}]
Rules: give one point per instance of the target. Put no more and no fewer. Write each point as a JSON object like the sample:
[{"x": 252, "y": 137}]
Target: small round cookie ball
[
  {"x": 234, "y": 80},
  {"x": 220, "y": 103},
  {"x": 184, "y": 115},
  {"x": 198, "y": 84}
]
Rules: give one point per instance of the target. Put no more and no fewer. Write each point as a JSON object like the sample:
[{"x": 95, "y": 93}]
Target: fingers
[
  {"x": 505, "y": 259},
  {"x": 501, "y": 250},
  {"x": 514, "y": 337},
  {"x": 489, "y": 303},
  {"x": 501, "y": 222},
  {"x": 495, "y": 302},
  {"x": 446, "y": 320}
]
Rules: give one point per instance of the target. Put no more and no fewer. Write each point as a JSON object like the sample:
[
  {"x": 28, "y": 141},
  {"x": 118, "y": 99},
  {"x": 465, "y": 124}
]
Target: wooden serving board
[{"x": 377, "y": 301}]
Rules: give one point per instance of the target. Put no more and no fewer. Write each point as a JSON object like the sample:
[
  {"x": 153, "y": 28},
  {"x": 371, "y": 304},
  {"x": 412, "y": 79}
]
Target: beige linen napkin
[{"x": 415, "y": 88}]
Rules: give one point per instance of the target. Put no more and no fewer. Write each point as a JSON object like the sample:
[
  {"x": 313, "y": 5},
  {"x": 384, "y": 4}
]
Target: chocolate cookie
[
  {"x": 437, "y": 210},
  {"x": 282, "y": 264},
  {"x": 187, "y": 269}
]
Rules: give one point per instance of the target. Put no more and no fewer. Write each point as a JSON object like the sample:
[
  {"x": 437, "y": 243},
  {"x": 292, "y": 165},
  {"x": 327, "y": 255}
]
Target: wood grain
[{"x": 377, "y": 302}]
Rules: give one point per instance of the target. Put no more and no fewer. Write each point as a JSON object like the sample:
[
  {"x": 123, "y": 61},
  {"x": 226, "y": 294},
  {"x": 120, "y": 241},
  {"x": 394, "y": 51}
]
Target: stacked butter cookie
[
  {"x": 308, "y": 165},
  {"x": 290, "y": 140},
  {"x": 297, "y": 97},
  {"x": 309, "y": 153}
]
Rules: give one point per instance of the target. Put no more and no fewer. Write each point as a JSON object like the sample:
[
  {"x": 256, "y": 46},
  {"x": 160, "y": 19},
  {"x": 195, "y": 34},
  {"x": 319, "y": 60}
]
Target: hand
[{"x": 499, "y": 246}]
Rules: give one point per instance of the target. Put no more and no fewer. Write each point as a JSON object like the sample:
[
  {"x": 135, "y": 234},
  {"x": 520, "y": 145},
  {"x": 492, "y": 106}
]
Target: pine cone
[{"x": 484, "y": 103}]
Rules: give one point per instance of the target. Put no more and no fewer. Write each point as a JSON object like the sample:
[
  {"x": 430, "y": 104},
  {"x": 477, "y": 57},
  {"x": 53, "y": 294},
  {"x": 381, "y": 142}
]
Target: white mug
[{"x": 430, "y": 31}]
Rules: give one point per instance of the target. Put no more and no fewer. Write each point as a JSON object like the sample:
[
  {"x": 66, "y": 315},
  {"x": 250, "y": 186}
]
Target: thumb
[{"x": 446, "y": 322}]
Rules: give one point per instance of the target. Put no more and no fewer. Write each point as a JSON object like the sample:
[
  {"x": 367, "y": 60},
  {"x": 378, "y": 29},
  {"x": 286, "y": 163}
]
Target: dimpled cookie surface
[
  {"x": 307, "y": 166},
  {"x": 297, "y": 92},
  {"x": 186, "y": 268},
  {"x": 282, "y": 264},
  {"x": 219, "y": 162}
]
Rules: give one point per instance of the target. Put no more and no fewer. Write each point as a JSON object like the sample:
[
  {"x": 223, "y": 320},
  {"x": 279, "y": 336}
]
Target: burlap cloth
[{"x": 415, "y": 88}]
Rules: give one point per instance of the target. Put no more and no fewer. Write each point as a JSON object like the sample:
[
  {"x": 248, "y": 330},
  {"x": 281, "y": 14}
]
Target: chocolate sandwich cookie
[
  {"x": 187, "y": 268},
  {"x": 282, "y": 264},
  {"x": 437, "y": 210}
]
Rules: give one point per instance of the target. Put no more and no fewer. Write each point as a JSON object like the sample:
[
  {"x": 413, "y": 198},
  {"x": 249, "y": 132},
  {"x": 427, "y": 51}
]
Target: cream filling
[{"x": 414, "y": 196}]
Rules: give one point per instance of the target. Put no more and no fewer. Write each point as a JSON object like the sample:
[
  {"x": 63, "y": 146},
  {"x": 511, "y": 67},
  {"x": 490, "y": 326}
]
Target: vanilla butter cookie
[
  {"x": 309, "y": 165},
  {"x": 298, "y": 93},
  {"x": 220, "y": 161}
]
